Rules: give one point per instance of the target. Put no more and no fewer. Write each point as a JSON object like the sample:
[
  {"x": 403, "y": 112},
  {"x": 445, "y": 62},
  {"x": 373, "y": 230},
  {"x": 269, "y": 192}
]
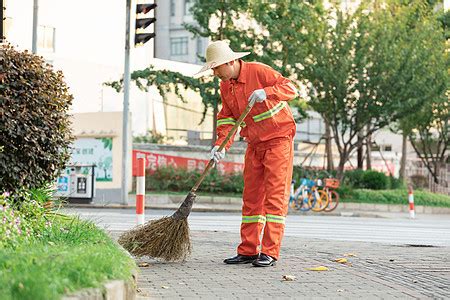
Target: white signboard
[{"x": 94, "y": 151}]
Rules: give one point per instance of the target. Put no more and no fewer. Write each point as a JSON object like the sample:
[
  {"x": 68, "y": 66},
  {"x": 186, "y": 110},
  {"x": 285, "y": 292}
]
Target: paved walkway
[{"x": 377, "y": 271}]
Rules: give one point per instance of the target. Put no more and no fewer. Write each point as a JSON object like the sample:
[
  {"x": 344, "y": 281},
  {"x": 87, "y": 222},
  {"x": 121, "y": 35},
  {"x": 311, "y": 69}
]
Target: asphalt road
[{"x": 426, "y": 231}]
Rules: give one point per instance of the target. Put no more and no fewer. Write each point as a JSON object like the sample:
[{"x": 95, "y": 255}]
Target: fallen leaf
[
  {"x": 164, "y": 287},
  {"x": 391, "y": 260},
  {"x": 289, "y": 277},
  {"x": 341, "y": 260},
  {"x": 320, "y": 268},
  {"x": 21, "y": 285},
  {"x": 350, "y": 254},
  {"x": 144, "y": 265}
]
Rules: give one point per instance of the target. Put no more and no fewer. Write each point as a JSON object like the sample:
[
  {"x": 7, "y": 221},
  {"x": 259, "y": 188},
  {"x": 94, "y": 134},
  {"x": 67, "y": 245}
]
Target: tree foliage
[
  {"x": 34, "y": 128},
  {"x": 371, "y": 68}
]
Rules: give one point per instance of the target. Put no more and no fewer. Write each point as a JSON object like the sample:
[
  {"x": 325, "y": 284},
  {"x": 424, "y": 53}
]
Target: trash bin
[{"x": 77, "y": 184}]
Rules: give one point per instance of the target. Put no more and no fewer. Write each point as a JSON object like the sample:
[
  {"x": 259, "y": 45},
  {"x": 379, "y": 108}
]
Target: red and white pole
[
  {"x": 140, "y": 191},
  {"x": 412, "y": 213}
]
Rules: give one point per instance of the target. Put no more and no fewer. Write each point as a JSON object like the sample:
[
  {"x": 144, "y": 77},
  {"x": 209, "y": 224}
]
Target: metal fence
[{"x": 416, "y": 169}]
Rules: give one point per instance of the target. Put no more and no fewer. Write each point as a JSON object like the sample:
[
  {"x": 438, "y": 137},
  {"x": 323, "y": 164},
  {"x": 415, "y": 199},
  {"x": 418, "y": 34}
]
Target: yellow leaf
[
  {"x": 144, "y": 265},
  {"x": 341, "y": 260},
  {"x": 320, "y": 268}
]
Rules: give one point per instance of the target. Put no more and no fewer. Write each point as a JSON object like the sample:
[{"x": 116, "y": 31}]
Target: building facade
[{"x": 173, "y": 41}]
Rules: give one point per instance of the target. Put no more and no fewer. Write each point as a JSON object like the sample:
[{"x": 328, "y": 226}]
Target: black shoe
[
  {"x": 264, "y": 260},
  {"x": 240, "y": 259}
]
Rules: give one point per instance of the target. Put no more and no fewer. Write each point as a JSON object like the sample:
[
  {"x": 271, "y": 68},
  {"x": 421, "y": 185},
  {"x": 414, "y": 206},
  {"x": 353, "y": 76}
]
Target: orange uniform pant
[{"x": 267, "y": 179}]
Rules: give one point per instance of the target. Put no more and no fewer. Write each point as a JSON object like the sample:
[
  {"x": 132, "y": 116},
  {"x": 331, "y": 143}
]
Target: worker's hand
[
  {"x": 258, "y": 96},
  {"x": 217, "y": 155}
]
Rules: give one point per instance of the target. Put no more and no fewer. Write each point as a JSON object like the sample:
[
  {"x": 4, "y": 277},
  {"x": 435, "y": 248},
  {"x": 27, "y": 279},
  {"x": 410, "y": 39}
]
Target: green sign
[{"x": 94, "y": 151}]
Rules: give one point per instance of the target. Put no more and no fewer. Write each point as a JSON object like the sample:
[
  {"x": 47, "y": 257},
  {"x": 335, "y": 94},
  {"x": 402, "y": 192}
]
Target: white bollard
[
  {"x": 412, "y": 213},
  {"x": 140, "y": 191}
]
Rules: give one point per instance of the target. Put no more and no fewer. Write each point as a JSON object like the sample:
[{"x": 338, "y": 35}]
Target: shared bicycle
[{"x": 311, "y": 196}]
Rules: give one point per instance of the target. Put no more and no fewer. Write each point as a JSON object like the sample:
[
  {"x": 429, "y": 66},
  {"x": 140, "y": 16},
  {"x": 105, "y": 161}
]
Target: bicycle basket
[{"x": 332, "y": 183}]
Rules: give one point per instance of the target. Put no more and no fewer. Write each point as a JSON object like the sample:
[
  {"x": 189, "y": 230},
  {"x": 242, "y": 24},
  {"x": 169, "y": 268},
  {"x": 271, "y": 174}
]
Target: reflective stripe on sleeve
[
  {"x": 226, "y": 121},
  {"x": 275, "y": 219},
  {"x": 270, "y": 113}
]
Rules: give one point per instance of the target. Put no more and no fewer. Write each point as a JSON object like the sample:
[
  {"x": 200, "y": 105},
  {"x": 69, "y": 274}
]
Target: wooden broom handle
[{"x": 225, "y": 141}]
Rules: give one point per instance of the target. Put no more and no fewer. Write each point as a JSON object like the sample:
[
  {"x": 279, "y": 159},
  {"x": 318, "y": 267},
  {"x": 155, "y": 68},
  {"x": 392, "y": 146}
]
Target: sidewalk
[{"x": 377, "y": 271}]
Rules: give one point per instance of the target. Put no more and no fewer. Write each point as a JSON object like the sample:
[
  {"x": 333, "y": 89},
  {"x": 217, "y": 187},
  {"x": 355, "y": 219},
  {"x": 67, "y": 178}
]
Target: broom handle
[{"x": 225, "y": 141}]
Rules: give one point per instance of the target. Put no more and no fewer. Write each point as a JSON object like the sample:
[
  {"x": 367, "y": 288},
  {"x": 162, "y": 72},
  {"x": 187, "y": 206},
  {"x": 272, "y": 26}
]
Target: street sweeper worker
[{"x": 269, "y": 129}]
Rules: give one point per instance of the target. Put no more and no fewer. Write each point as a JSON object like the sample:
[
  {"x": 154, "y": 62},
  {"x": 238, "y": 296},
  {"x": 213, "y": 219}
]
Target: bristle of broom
[{"x": 166, "y": 238}]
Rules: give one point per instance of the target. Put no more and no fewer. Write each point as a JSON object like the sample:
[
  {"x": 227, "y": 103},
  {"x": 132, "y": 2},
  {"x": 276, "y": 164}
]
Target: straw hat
[{"x": 219, "y": 53}]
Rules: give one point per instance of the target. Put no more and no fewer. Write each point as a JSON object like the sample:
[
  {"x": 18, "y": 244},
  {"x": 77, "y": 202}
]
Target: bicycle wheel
[
  {"x": 333, "y": 198},
  {"x": 293, "y": 203},
  {"x": 303, "y": 204},
  {"x": 321, "y": 200}
]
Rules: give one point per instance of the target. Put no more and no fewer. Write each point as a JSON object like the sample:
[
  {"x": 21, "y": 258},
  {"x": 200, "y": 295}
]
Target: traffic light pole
[
  {"x": 1, "y": 20},
  {"x": 126, "y": 96},
  {"x": 35, "y": 26}
]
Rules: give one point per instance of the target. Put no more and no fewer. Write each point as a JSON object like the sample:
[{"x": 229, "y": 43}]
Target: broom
[{"x": 168, "y": 237}]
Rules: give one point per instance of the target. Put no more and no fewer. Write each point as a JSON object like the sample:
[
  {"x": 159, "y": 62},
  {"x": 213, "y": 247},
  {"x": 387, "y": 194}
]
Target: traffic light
[{"x": 140, "y": 37}]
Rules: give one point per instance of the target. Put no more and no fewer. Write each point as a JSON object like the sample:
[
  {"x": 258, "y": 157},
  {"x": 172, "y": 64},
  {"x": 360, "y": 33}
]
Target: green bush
[
  {"x": 369, "y": 179},
  {"x": 396, "y": 183},
  {"x": 34, "y": 122},
  {"x": 374, "y": 180},
  {"x": 300, "y": 172},
  {"x": 182, "y": 180},
  {"x": 353, "y": 178}
]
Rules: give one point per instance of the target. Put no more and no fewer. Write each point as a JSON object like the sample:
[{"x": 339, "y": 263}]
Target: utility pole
[
  {"x": 126, "y": 97},
  {"x": 1, "y": 20},
  {"x": 35, "y": 26}
]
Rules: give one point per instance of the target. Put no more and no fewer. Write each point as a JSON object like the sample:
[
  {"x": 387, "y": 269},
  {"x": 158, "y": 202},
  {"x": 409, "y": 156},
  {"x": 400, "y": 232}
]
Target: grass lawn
[
  {"x": 70, "y": 255},
  {"x": 399, "y": 196}
]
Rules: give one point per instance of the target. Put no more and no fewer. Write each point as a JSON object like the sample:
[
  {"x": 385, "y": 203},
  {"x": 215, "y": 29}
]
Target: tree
[
  {"x": 364, "y": 67},
  {"x": 35, "y": 132},
  {"x": 430, "y": 137},
  {"x": 425, "y": 21}
]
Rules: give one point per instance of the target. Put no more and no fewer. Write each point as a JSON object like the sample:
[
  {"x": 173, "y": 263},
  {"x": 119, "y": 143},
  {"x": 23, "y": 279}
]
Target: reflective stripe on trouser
[{"x": 267, "y": 178}]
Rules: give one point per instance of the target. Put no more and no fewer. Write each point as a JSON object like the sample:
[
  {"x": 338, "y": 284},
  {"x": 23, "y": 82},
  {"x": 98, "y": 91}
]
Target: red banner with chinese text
[{"x": 154, "y": 161}]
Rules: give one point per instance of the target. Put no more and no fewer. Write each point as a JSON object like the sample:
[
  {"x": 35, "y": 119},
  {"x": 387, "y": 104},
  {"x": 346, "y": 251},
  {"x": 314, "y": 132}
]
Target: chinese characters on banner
[{"x": 156, "y": 160}]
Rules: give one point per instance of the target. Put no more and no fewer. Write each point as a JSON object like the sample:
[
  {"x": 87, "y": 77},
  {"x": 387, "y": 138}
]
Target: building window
[
  {"x": 187, "y": 7},
  {"x": 46, "y": 38},
  {"x": 387, "y": 148},
  {"x": 172, "y": 8},
  {"x": 179, "y": 46}
]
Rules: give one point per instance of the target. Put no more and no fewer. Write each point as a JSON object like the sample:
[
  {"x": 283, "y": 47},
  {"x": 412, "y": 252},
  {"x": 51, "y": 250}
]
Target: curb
[
  {"x": 115, "y": 289},
  {"x": 111, "y": 290}
]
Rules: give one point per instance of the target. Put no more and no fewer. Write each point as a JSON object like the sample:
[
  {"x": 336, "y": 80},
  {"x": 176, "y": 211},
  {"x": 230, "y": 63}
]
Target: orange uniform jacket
[{"x": 267, "y": 120}]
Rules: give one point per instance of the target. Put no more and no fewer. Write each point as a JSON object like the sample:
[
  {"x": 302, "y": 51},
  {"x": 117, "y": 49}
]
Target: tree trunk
[
  {"x": 402, "y": 172},
  {"x": 328, "y": 147},
  {"x": 216, "y": 111},
  {"x": 369, "y": 150},
  {"x": 359, "y": 151},
  {"x": 342, "y": 160}
]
